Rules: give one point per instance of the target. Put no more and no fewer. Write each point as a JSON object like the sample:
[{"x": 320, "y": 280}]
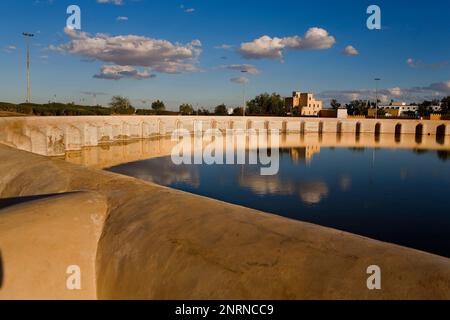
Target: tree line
[
  {"x": 361, "y": 107},
  {"x": 262, "y": 105}
]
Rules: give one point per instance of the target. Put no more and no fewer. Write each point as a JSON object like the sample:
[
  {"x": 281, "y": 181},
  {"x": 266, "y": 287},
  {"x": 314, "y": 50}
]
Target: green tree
[
  {"x": 203, "y": 112},
  {"x": 239, "y": 111},
  {"x": 357, "y": 107},
  {"x": 425, "y": 108},
  {"x": 158, "y": 106},
  {"x": 445, "y": 105},
  {"x": 186, "y": 109},
  {"x": 334, "y": 104},
  {"x": 145, "y": 112},
  {"x": 121, "y": 105},
  {"x": 266, "y": 104},
  {"x": 221, "y": 110}
]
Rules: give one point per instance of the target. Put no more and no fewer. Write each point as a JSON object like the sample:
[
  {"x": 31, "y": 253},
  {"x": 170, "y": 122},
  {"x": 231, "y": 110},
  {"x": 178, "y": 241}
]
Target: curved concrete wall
[
  {"x": 54, "y": 135},
  {"x": 159, "y": 243},
  {"x": 42, "y": 238}
]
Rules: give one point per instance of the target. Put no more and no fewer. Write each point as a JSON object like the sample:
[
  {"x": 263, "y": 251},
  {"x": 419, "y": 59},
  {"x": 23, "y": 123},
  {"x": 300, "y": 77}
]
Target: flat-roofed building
[
  {"x": 307, "y": 104},
  {"x": 398, "y": 109}
]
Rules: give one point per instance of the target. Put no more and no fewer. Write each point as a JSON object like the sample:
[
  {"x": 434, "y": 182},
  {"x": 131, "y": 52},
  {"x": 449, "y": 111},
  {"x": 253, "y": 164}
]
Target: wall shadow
[{"x": 9, "y": 202}]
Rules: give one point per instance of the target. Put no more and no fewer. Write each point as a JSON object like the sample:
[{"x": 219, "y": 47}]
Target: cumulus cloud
[
  {"x": 242, "y": 67},
  {"x": 114, "y": 72},
  {"x": 240, "y": 80},
  {"x": 263, "y": 48},
  {"x": 350, "y": 51},
  {"x": 410, "y": 94},
  {"x": 443, "y": 87},
  {"x": 432, "y": 90},
  {"x": 345, "y": 96},
  {"x": 131, "y": 50},
  {"x": 267, "y": 47},
  {"x": 396, "y": 91}
]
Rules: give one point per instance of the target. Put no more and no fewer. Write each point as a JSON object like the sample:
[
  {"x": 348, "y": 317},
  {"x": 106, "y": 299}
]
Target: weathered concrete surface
[
  {"x": 40, "y": 239},
  {"x": 159, "y": 243},
  {"x": 53, "y": 136}
]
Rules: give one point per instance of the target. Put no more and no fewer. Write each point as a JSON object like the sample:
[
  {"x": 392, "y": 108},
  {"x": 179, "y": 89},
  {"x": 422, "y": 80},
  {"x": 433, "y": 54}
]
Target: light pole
[
  {"x": 27, "y": 36},
  {"x": 243, "y": 95},
  {"x": 376, "y": 93}
]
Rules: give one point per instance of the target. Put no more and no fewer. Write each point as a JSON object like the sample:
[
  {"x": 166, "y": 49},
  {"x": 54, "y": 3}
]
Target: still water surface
[{"x": 398, "y": 196}]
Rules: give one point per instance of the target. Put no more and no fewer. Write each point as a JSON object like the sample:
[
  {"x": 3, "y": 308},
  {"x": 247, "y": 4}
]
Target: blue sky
[{"x": 171, "y": 50}]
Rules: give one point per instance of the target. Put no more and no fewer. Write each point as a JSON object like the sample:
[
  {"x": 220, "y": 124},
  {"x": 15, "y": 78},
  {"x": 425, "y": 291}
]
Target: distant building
[
  {"x": 397, "y": 109},
  {"x": 436, "y": 108},
  {"x": 342, "y": 113},
  {"x": 307, "y": 104},
  {"x": 402, "y": 107}
]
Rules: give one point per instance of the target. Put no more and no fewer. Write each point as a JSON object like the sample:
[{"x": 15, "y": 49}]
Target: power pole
[
  {"x": 243, "y": 94},
  {"x": 27, "y": 36},
  {"x": 376, "y": 103}
]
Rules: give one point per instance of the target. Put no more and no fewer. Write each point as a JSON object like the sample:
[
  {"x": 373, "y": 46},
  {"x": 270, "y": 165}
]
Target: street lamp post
[
  {"x": 27, "y": 36},
  {"x": 243, "y": 83},
  {"x": 376, "y": 93}
]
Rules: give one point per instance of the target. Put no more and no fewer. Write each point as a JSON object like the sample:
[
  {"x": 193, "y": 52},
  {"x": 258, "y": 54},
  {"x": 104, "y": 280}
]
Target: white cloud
[
  {"x": 240, "y": 80},
  {"x": 396, "y": 92},
  {"x": 350, "y": 51},
  {"x": 187, "y": 10},
  {"x": 111, "y": 72},
  {"x": 267, "y": 47},
  {"x": 242, "y": 67},
  {"x": 411, "y": 94},
  {"x": 442, "y": 87},
  {"x": 131, "y": 50},
  {"x": 122, "y": 18},
  {"x": 263, "y": 48}
]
